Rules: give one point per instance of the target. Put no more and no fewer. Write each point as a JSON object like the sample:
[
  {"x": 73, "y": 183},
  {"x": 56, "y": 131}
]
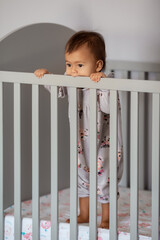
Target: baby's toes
[{"x": 104, "y": 225}]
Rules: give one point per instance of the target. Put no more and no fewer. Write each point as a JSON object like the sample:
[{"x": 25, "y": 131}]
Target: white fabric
[{"x": 145, "y": 204}]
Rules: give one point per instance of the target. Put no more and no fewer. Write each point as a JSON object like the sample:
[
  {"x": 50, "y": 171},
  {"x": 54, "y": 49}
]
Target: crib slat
[
  {"x": 141, "y": 75},
  {"x": 155, "y": 165},
  {"x": 1, "y": 163},
  {"x": 17, "y": 163},
  {"x": 93, "y": 165},
  {"x": 125, "y": 102},
  {"x": 134, "y": 166},
  {"x": 142, "y": 130},
  {"x": 35, "y": 162},
  {"x": 73, "y": 164},
  {"x": 113, "y": 165},
  {"x": 54, "y": 164}
]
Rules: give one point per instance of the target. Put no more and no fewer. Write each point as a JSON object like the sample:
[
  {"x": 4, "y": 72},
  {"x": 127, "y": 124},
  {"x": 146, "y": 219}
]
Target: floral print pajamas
[{"x": 103, "y": 142}]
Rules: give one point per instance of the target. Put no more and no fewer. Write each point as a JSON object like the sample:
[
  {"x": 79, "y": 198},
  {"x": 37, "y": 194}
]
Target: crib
[
  {"x": 133, "y": 86},
  {"x": 25, "y": 219}
]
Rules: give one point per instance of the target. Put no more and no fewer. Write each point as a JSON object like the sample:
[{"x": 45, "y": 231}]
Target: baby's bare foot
[
  {"x": 80, "y": 219},
  {"x": 83, "y": 219},
  {"x": 104, "y": 224}
]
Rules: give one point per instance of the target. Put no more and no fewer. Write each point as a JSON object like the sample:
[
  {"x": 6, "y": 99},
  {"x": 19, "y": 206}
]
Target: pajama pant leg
[
  {"x": 103, "y": 174},
  {"x": 103, "y": 177}
]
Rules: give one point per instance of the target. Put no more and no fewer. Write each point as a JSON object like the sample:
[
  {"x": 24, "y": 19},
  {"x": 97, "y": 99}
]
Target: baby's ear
[{"x": 99, "y": 65}]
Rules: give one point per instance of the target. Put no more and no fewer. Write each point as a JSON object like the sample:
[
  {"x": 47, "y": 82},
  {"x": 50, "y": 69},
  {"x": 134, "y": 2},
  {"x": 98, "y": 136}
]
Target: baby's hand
[
  {"x": 40, "y": 72},
  {"x": 96, "y": 77}
]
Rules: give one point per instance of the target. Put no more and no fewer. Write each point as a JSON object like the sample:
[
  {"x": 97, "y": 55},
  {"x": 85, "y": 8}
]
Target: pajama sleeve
[
  {"x": 104, "y": 97},
  {"x": 104, "y": 100},
  {"x": 62, "y": 91}
]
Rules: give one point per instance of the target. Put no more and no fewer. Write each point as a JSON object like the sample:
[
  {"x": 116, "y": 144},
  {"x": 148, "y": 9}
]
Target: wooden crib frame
[{"x": 114, "y": 85}]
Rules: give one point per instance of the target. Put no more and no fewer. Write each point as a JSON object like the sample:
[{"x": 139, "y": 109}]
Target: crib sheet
[{"x": 45, "y": 225}]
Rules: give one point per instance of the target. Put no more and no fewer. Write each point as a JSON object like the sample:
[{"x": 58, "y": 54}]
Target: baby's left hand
[{"x": 96, "y": 77}]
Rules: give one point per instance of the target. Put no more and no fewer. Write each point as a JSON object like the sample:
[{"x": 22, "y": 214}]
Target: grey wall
[
  {"x": 130, "y": 27},
  {"x": 35, "y": 46}
]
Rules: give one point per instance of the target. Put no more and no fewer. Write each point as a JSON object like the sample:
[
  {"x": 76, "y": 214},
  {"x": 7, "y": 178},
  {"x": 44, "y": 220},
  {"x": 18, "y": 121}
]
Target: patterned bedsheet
[{"x": 45, "y": 225}]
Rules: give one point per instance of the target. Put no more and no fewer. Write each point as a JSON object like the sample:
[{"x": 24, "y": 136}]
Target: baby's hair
[{"x": 93, "y": 40}]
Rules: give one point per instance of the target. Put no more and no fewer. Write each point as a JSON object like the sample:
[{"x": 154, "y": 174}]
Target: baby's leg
[
  {"x": 84, "y": 210},
  {"x": 105, "y": 216}
]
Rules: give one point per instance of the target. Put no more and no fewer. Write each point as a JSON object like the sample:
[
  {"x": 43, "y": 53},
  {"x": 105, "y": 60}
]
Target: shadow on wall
[{"x": 35, "y": 46}]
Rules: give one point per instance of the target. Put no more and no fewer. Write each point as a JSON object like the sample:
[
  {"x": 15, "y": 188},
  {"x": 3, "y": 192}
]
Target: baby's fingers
[
  {"x": 95, "y": 77},
  {"x": 38, "y": 74}
]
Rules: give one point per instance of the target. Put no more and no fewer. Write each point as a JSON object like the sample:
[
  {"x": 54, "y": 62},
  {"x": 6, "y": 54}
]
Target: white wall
[{"x": 130, "y": 27}]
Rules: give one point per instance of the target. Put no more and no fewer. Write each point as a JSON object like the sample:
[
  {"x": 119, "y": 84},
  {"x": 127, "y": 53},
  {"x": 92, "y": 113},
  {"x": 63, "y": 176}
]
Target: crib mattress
[{"x": 64, "y": 196}]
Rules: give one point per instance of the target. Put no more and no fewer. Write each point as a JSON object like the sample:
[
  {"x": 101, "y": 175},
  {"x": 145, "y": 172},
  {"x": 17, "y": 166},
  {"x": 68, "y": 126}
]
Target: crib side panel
[
  {"x": 26, "y": 50},
  {"x": 26, "y": 142},
  {"x": 133, "y": 158},
  {"x": 143, "y": 71},
  {"x": 146, "y": 155}
]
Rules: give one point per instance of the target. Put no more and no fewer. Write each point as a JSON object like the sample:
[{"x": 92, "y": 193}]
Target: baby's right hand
[{"x": 40, "y": 72}]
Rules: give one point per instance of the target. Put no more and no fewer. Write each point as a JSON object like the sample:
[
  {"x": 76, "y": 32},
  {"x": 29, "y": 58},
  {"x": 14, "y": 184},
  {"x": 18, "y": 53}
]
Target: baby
[{"x": 85, "y": 56}]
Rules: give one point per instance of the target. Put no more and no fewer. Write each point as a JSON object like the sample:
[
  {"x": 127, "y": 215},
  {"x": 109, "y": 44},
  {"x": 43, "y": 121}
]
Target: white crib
[{"x": 126, "y": 85}]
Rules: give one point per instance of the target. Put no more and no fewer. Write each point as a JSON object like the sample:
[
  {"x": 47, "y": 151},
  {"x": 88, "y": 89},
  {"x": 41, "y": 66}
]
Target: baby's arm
[
  {"x": 96, "y": 77},
  {"x": 104, "y": 95},
  {"x": 62, "y": 92},
  {"x": 40, "y": 72}
]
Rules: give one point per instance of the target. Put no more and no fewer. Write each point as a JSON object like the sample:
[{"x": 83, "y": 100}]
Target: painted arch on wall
[
  {"x": 35, "y": 46},
  {"x": 24, "y": 50}
]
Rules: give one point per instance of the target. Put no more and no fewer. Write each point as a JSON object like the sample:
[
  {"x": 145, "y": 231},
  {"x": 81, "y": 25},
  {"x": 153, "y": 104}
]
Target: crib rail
[
  {"x": 59, "y": 80},
  {"x": 114, "y": 85}
]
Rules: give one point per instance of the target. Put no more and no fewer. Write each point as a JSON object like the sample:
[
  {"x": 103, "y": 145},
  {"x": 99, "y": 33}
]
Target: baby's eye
[
  {"x": 68, "y": 64},
  {"x": 80, "y": 65}
]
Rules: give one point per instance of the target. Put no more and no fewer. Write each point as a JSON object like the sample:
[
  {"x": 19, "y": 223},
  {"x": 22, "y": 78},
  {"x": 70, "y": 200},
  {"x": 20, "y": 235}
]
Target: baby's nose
[{"x": 74, "y": 71}]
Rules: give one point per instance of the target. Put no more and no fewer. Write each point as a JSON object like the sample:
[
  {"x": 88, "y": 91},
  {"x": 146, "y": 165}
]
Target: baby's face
[{"x": 80, "y": 62}]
